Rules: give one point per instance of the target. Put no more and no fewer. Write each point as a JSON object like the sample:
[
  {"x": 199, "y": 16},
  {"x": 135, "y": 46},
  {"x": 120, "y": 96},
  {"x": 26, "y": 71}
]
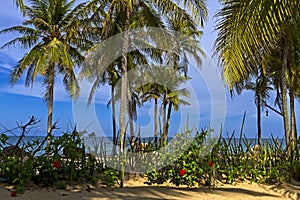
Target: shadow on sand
[{"x": 163, "y": 192}]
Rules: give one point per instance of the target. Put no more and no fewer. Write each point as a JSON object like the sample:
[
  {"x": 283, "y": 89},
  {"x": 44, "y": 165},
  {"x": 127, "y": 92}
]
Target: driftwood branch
[{"x": 33, "y": 121}]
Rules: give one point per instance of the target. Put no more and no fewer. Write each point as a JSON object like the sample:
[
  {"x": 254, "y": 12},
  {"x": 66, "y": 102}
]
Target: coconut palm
[
  {"x": 50, "y": 34},
  {"x": 292, "y": 85},
  {"x": 20, "y": 4},
  {"x": 261, "y": 89},
  {"x": 249, "y": 30},
  {"x": 260, "y": 84},
  {"x": 171, "y": 93},
  {"x": 247, "y": 33},
  {"x": 126, "y": 7},
  {"x": 187, "y": 10},
  {"x": 151, "y": 91}
]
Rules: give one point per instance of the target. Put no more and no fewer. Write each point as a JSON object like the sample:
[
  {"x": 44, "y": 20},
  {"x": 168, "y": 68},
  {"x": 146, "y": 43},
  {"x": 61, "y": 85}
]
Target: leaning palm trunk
[
  {"x": 50, "y": 101},
  {"x": 124, "y": 91}
]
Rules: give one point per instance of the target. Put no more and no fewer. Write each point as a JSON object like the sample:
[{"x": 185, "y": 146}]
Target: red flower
[
  {"x": 182, "y": 172},
  {"x": 56, "y": 164},
  {"x": 13, "y": 194},
  {"x": 210, "y": 163}
]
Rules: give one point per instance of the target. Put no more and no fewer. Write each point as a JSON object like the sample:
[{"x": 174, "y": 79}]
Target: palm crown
[{"x": 51, "y": 35}]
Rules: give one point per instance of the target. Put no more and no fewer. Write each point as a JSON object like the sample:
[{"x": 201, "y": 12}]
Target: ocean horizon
[{"x": 108, "y": 141}]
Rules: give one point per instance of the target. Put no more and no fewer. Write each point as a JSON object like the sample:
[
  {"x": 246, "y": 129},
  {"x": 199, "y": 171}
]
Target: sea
[{"x": 106, "y": 143}]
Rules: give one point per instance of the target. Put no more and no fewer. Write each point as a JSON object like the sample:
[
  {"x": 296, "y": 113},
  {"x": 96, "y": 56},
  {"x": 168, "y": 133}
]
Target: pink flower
[
  {"x": 56, "y": 164},
  {"x": 211, "y": 164},
  {"x": 182, "y": 172}
]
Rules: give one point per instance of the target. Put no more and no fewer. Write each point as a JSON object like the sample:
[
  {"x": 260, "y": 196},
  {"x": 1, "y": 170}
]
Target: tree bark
[
  {"x": 50, "y": 102},
  {"x": 166, "y": 131},
  {"x": 155, "y": 122},
  {"x": 130, "y": 116},
  {"x": 283, "y": 85},
  {"x": 124, "y": 90},
  {"x": 164, "y": 120},
  {"x": 113, "y": 119},
  {"x": 293, "y": 119},
  {"x": 258, "y": 106}
]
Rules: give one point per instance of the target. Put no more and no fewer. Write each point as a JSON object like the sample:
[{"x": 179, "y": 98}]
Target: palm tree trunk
[
  {"x": 293, "y": 119},
  {"x": 258, "y": 106},
  {"x": 130, "y": 116},
  {"x": 166, "y": 131},
  {"x": 124, "y": 91},
  {"x": 155, "y": 123},
  {"x": 283, "y": 85},
  {"x": 164, "y": 121},
  {"x": 50, "y": 102},
  {"x": 113, "y": 104}
]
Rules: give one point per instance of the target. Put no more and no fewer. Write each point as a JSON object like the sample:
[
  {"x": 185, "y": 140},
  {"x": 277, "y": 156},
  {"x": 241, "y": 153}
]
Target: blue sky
[{"x": 18, "y": 103}]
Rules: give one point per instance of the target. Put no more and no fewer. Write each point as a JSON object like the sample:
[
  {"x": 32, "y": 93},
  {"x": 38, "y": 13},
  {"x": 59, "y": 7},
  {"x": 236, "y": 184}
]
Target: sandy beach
[{"x": 137, "y": 190}]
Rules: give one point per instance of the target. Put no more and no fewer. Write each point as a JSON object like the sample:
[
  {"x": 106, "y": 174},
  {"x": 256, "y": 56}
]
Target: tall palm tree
[
  {"x": 172, "y": 92},
  {"x": 261, "y": 89},
  {"x": 292, "y": 81},
  {"x": 174, "y": 100},
  {"x": 50, "y": 33},
  {"x": 249, "y": 30},
  {"x": 247, "y": 33},
  {"x": 152, "y": 89},
  {"x": 166, "y": 8},
  {"x": 258, "y": 82},
  {"x": 183, "y": 10},
  {"x": 147, "y": 92}
]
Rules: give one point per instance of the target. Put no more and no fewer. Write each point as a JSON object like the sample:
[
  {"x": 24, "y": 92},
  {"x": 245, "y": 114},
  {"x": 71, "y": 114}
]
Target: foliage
[
  {"x": 110, "y": 177},
  {"x": 66, "y": 162},
  {"x": 232, "y": 159}
]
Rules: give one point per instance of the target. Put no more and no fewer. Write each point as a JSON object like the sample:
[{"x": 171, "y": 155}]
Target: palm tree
[
  {"x": 261, "y": 89},
  {"x": 20, "y": 4},
  {"x": 174, "y": 101},
  {"x": 50, "y": 33},
  {"x": 150, "y": 91},
  {"x": 164, "y": 84},
  {"x": 166, "y": 8},
  {"x": 259, "y": 83},
  {"x": 247, "y": 33},
  {"x": 292, "y": 81},
  {"x": 171, "y": 92},
  {"x": 126, "y": 8},
  {"x": 110, "y": 76},
  {"x": 250, "y": 29}
]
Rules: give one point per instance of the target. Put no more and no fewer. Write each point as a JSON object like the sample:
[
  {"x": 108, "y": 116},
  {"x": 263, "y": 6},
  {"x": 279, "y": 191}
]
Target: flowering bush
[
  {"x": 182, "y": 172},
  {"x": 187, "y": 170},
  {"x": 56, "y": 164},
  {"x": 230, "y": 160},
  {"x": 211, "y": 164},
  {"x": 54, "y": 169}
]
